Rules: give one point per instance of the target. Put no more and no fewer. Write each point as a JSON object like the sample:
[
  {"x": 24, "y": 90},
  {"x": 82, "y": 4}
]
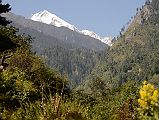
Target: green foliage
[
  {"x": 15, "y": 88},
  {"x": 108, "y": 105},
  {"x": 27, "y": 82}
]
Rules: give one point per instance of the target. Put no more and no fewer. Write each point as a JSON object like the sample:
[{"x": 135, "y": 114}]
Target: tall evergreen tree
[{"x": 4, "y": 8}]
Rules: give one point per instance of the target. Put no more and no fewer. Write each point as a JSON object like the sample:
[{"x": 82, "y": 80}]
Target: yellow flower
[
  {"x": 142, "y": 103},
  {"x": 145, "y": 82},
  {"x": 151, "y": 87},
  {"x": 149, "y": 99},
  {"x": 148, "y": 95},
  {"x": 142, "y": 94},
  {"x": 145, "y": 87},
  {"x": 155, "y": 96}
]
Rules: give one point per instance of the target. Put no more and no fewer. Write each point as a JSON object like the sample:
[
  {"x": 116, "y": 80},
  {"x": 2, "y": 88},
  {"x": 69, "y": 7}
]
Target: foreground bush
[{"x": 148, "y": 102}]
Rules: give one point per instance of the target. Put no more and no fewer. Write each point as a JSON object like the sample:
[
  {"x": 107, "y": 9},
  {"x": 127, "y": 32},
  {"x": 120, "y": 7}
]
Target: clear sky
[{"x": 105, "y": 17}]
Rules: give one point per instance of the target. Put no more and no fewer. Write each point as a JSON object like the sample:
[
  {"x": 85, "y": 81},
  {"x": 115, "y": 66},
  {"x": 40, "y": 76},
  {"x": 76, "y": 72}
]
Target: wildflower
[
  {"x": 142, "y": 94},
  {"x": 142, "y": 103},
  {"x": 150, "y": 87},
  {"x": 145, "y": 87},
  {"x": 148, "y": 101},
  {"x": 145, "y": 82},
  {"x": 155, "y": 96}
]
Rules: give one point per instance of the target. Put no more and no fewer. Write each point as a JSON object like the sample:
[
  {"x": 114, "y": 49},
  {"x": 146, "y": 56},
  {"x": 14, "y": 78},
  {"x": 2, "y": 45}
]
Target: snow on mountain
[
  {"x": 49, "y": 18},
  {"x": 106, "y": 40},
  {"x": 90, "y": 33}
]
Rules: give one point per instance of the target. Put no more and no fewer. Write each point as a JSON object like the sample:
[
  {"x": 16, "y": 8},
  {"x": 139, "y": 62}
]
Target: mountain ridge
[
  {"x": 63, "y": 34},
  {"x": 52, "y": 19}
]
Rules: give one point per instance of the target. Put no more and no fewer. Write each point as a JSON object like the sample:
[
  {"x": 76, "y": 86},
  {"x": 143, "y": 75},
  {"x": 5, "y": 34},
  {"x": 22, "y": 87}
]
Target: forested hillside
[
  {"x": 133, "y": 58},
  {"x": 77, "y": 63},
  {"x": 135, "y": 55}
]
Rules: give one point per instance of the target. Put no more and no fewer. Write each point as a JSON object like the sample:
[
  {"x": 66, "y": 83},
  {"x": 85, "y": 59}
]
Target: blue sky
[{"x": 105, "y": 17}]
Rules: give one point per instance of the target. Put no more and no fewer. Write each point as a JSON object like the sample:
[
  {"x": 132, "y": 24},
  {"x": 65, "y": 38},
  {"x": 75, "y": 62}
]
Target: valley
[{"x": 56, "y": 71}]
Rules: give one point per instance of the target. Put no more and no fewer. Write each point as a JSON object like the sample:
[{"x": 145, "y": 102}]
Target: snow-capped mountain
[
  {"x": 49, "y": 18},
  {"x": 90, "y": 33},
  {"x": 106, "y": 40}
]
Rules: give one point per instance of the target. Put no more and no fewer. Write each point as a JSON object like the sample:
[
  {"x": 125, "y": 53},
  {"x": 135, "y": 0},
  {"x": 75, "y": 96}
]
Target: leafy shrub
[{"x": 148, "y": 102}]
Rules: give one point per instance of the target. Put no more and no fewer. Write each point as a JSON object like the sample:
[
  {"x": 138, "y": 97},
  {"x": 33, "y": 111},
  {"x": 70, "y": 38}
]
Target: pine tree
[{"x": 4, "y": 8}]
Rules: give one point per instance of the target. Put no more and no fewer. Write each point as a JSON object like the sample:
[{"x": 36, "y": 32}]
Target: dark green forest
[
  {"x": 120, "y": 83},
  {"x": 76, "y": 62}
]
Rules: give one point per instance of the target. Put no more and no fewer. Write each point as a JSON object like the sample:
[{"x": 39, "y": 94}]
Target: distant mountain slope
[
  {"x": 134, "y": 56},
  {"x": 63, "y": 34}
]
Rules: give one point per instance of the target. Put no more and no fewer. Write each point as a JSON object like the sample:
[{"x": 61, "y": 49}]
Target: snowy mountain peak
[
  {"x": 44, "y": 13},
  {"x": 90, "y": 33},
  {"x": 106, "y": 40},
  {"x": 49, "y": 18}
]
